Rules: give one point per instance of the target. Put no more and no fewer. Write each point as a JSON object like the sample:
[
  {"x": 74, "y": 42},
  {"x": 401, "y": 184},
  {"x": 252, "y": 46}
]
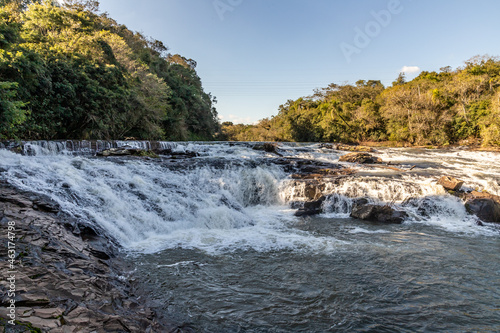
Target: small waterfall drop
[
  {"x": 230, "y": 196},
  {"x": 90, "y": 147}
]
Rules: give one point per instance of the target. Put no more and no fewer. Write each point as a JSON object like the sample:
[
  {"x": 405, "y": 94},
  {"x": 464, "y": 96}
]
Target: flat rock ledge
[
  {"x": 360, "y": 158},
  {"x": 68, "y": 277}
]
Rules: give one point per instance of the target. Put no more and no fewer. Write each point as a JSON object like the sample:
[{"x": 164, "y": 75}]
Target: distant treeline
[
  {"x": 437, "y": 108},
  {"x": 68, "y": 72}
]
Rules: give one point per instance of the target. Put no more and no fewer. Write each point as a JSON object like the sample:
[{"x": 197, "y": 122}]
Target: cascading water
[
  {"x": 217, "y": 233},
  {"x": 77, "y": 147}
]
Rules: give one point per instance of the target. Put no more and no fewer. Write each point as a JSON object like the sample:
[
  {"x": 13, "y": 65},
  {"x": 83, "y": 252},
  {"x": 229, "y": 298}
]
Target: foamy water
[{"x": 232, "y": 197}]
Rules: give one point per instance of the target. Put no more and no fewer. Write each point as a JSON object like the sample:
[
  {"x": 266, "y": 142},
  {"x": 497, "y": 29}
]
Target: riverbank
[
  {"x": 66, "y": 276},
  {"x": 466, "y": 145}
]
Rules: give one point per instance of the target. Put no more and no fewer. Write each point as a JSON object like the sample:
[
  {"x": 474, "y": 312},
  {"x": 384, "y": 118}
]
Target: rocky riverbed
[
  {"x": 68, "y": 275},
  {"x": 72, "y": 272}
]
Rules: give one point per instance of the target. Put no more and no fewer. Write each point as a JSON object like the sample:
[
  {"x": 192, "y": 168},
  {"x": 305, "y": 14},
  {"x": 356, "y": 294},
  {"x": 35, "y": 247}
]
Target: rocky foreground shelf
[{"x": 67, "y": 275}]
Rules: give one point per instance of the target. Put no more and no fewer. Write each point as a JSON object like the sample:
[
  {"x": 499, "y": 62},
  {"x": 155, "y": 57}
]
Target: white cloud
[
  {"x": 237, "y": 119},
  {"x": 410, "y": 69}
]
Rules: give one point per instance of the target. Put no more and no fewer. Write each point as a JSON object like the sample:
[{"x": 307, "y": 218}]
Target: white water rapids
[{"x": 231, "y": 197}]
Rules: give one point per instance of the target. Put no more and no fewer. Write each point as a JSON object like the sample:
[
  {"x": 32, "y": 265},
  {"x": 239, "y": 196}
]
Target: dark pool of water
[{"x": 410, "y": 278}]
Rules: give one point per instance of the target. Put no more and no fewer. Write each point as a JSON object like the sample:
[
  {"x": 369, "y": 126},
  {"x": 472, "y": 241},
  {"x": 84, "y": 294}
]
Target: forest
[
  {"x": 435, "y": 108},
  {"x": 70, "y": 72}
]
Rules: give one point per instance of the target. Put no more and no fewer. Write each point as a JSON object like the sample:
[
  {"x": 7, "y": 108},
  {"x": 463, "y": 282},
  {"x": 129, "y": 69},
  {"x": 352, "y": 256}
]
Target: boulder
[
  {"x": 267, "y": 147},
  {"x": 377, "y": 213},
  {"x": 127, "y": 152},
  {"x": 361, "y": 158},
  {"x": 488, "y": 210},
  {"x": 327, "y": 146},
  {"x": 115, "y": 152},
  {"x": 484, "y": 195},
  {"x": 311, "y": 208},
  {"x": 484, "y": 205},
  {"x": 313, "y": 190},
  {"x": 450, "y": 183}
]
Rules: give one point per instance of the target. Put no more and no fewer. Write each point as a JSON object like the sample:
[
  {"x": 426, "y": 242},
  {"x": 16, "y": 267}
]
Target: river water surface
[{"x": 217, "y": 248}]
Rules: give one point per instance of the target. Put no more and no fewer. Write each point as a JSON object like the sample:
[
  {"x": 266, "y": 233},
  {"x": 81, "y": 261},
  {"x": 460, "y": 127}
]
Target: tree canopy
[
  {"x": 436, "y": 108},
  {"x": 68, "y": 72}
]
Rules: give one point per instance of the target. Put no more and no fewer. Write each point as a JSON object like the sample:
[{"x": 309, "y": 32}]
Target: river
[{"x": 217, "y": 247}]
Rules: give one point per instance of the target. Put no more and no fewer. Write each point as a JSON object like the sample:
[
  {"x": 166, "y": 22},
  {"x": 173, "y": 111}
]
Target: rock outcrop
[
  {"x": 154, "y": 153},
  {"x": 484, "y": 205},
  {"x": 127, "y": 152},
  {"x": 311, "y": 207},
  {"x": 268, "y": 147},
  {"x": 450, "y": 183},
  {"x": 385, "y": 214},
  {"x": 361, "y": 158},
  {"x": 486, "y": 209},
  {"x": 68, "y": 277},
  {"x": 311, "y": 180}
]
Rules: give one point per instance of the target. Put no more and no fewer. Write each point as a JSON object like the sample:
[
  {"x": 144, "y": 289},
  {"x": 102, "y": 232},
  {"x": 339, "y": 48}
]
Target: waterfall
[
  {"x": 231, "y": 196},
  {"x": 90, "y": 147}
]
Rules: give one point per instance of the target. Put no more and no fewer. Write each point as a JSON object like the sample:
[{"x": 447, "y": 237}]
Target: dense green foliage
[
  {"x": 434, "y": 108},
  {"x": 68, "y": 72}
]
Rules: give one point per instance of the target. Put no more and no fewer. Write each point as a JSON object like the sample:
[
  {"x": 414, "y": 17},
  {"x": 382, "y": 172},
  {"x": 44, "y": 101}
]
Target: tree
[
  {"x": 490, "y": 125},
  {"x": 82, "y": 75},
  {"x": 12, "y": 112},
  {"x": 400, "y": 80},
  {"x": 81, "y": 5}
]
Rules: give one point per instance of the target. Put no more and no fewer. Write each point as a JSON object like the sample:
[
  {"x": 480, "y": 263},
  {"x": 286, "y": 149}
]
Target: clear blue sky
[{"x": 254, "y": 55}]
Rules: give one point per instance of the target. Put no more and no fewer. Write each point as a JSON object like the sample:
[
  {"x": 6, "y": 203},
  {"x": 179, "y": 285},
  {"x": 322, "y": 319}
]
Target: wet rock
[
  {"x": 51, "y": 313},
  {"x": 125, "y": 151},
  {"x": 176, "y": 154},
  {"x": 267, "y": 147},
  {"x": 376, "y": 213},
  {"x": 46, "y": 206},
  {"x": 311, "y": 208},
  {"x": 360, "y": 202},
  {"x": 361, "y": 158},
  {"x": 391, "y": 216},
  {"x": 450, "y": 183},
  {"x": 483, "y": 195},
  {"x": 86, "y": 231},
  {"x": 486, "y": 209},
  {"x": 13, "y": 197},
  {"x": 313, "y": 191},
  {"x": 313, "y": 180},
  {"x": 484, "y": 205},
  {"x": 64, "y": 280},
  {"x": 425, "y": 206},
  {"x": 327, "y": 146},
  {"x": 115, "y": 152}
]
